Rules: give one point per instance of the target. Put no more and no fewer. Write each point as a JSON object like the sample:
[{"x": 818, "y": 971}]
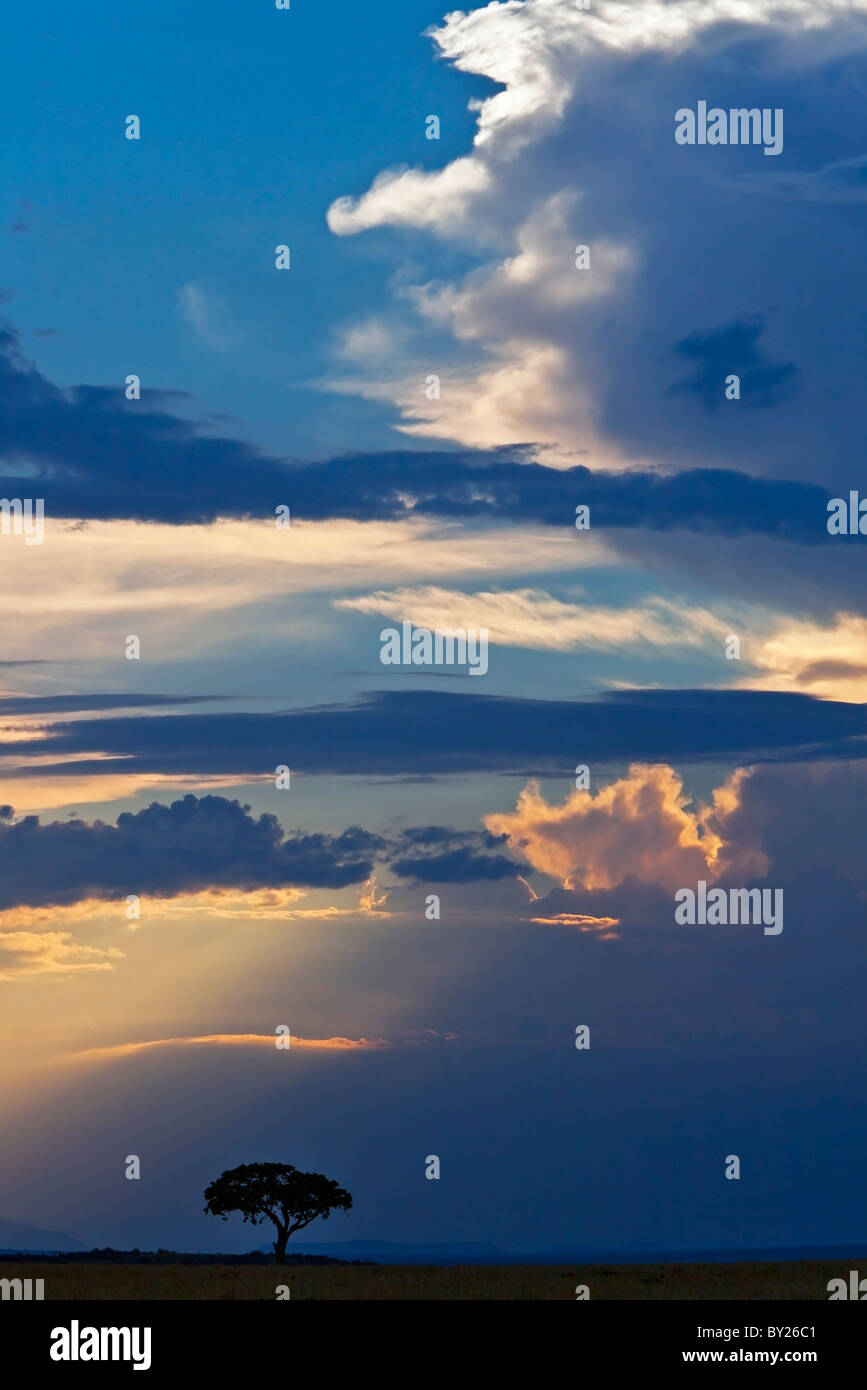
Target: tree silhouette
[{"x": 277, "y": 1191}]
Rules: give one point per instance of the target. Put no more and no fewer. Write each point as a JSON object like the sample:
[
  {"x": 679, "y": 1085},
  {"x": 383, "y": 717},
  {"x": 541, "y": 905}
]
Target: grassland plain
[{"x": 799, "y": 1279}]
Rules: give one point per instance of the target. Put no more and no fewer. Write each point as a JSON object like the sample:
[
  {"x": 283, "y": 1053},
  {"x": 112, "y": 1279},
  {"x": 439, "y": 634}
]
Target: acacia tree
[{"x": 278, "y": 1192}]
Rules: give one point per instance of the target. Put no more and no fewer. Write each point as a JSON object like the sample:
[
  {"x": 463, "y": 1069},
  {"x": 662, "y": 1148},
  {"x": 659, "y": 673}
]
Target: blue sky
[
  {"x": 701, "y": 647},
  {"x": 256, "y": 121}
]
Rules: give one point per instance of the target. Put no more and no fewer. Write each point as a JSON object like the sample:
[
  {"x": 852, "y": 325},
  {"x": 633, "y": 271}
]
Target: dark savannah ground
[{"x": 798, "y": 1279}]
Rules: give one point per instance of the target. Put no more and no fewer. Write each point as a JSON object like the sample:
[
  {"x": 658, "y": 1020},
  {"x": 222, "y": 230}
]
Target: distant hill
[
  {"x": 484, "y": 1253},
  {"x": 389, "y": 1252},
  {"x": 109, "y": 1256},
  {"x": 15, "y": 1238}
]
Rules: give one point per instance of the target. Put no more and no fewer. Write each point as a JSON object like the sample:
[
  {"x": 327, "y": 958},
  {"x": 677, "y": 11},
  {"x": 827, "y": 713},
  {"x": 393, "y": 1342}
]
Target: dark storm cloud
[
  {"x": 734, "y": 348},
  {"x": 197, "y": 843},
  {"x": 102, "y": 457},
  {"x": 429, "y": 732},
  {"x": 716, "y": 246},
  {"x": 194, "y": 844},
  {"x": 436, "y": 854}
]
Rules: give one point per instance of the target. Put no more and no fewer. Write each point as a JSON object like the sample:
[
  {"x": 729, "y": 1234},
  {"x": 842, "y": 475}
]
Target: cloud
[
  {"x": 632, "y": 903},
  {"x": 176, "y": 586},
  {"x": 379, "y": 734},
  {"x": 828, "y": 661},
  {"x": 403, "y": 197},
  {"x": 841, "y": 181},
  {"x": 640, "y": 826},
  {"x": 576, "y": 147},
  {"x": 208, "y": 855},
  {"x": 105, "y": 455},
  {"x": 203, "y": 312},
  {"x": 256, "y": 905},
  {"x": 25, "y": 954},
  {"x": 809, "y": 822},
  {"x": 436, "y": 854},
  {"x": 529, "y": 290},
  {"x": 396, "y": 517},
  {"x": 581, "y": 920},
  {"x": 97, "y": 457},
  {"x": 734, "y": 348},
  {"x": 35, "y": 706},
  {"x": 412, "y": 1038},
  {"x": 97, "y": 1054},
  {"x": 370, "y": 901},
  {"x": 542, "y": 52},
  {"x": 47, "y": 787},
  {"x": 534, "y": 619},
  {"x": 195, "y": 844}
]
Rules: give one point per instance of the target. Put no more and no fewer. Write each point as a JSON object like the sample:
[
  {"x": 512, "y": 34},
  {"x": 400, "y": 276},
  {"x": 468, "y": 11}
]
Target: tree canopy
[{"x": 275, "y": 1192}]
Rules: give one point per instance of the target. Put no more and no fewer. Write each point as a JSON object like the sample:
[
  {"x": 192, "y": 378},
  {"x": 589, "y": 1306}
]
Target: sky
[{"x": 223, "y": 814}]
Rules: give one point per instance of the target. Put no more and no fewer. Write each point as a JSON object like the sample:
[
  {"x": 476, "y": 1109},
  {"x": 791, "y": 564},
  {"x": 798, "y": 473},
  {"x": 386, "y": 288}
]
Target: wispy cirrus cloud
[
  {"x": 185, "y": 585},
  {"x": 203, "y": 311},
  {"x": 535, "y": 619}
]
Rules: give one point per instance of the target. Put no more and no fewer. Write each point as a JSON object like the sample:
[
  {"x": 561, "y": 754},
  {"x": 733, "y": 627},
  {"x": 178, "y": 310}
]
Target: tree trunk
[{"x": 280, "y": 1244}]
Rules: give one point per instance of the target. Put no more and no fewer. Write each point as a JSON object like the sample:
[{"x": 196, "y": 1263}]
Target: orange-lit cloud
[
  {"x": 49, "y": 792},
  {"x": 827, "y": 661},
  {"x": 368, "y": 900},
  {"x": 129, "y": 1049},
  {"x": 412, "y": 1038},
  {"x": 261, "y": 905},
  {"x": 20, "y": 731},
  {"x": 26, "y": 953},
  {"x": 534, "y": 896},
  {"x": 642, "y": 826},
  {"x": 581, "y": 920}
]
